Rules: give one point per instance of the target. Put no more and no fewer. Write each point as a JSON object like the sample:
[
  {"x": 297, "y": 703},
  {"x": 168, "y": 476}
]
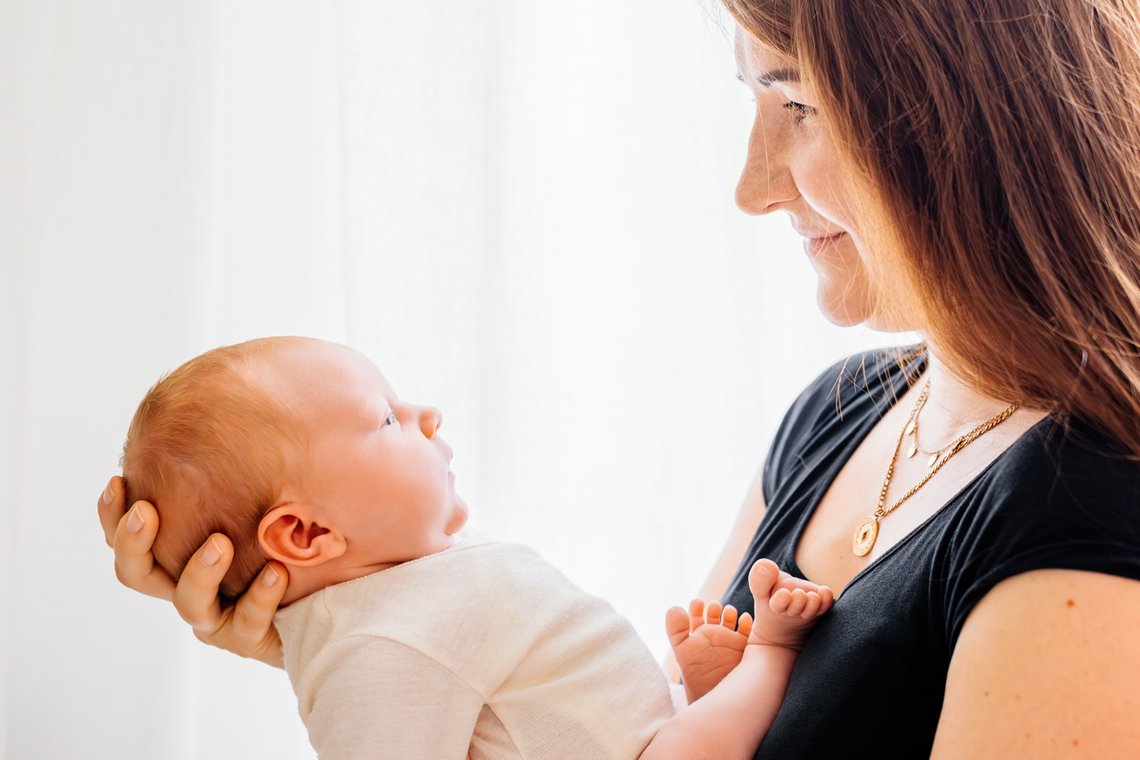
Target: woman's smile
[{"x": 815, "y": 246}]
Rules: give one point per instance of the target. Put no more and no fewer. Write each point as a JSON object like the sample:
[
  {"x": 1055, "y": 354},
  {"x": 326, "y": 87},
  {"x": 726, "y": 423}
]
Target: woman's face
[{"x": 793, "y": 166}]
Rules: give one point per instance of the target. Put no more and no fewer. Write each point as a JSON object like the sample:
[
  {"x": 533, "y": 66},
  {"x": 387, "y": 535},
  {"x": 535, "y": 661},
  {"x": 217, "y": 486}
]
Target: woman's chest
[
  {"x": 826, "y": 552},
  {"x": 914, "y": 493}
]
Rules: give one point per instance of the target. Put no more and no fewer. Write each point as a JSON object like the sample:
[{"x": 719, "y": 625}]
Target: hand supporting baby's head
[{"x": 299, "y": 451}]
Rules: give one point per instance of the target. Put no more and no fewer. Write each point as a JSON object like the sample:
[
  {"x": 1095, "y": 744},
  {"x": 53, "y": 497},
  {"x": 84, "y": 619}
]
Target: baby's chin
[{"x": 459, "y": 517}]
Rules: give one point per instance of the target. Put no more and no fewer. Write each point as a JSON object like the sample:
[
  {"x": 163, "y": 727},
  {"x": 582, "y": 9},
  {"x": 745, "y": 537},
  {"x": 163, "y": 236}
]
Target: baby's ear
[{"x": 291, "y": 535}]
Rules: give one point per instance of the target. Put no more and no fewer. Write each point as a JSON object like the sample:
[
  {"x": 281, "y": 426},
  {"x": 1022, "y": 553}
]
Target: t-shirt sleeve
[
  {"x": 377, "y": 698},
  {"x": 788, "y": 441},
  {"x": 820, "y": 401},
  {"x": 1076, "y": 510}
]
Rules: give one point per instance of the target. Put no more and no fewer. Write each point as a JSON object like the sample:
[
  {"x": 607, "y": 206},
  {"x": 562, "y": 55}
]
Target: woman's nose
[{"x": 766, "y": 180}]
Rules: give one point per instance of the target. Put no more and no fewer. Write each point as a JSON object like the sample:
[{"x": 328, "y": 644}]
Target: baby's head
[{"x": 299, "y": 451}]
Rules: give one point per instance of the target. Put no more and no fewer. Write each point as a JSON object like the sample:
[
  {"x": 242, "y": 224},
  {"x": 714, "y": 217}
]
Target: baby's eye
[{"x": 390, "y": 418}]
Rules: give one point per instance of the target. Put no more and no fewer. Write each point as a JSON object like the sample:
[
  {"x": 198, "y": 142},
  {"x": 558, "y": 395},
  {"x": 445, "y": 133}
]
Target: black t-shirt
[{"x": 870, "y": 679}]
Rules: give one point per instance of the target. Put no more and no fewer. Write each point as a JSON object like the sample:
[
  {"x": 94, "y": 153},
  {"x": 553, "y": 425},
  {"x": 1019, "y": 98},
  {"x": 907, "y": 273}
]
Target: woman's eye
[{"x": 799, "y": 111}]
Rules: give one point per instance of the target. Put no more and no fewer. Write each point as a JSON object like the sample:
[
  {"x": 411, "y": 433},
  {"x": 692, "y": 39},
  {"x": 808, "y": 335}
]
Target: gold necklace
[
  {"x": 916, "y": 447},
  {"x": 863, "y": 540}
]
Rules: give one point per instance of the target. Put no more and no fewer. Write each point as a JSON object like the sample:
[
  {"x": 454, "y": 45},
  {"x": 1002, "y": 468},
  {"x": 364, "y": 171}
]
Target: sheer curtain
[
  {"x": 171, "y": 182},
  {"x": 542, "y": 242},
  {"x": 521, "y": 210}
]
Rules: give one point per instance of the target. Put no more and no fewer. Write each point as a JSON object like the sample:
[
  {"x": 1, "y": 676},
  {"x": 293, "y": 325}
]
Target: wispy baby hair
[{"x": 207, "y": 447}]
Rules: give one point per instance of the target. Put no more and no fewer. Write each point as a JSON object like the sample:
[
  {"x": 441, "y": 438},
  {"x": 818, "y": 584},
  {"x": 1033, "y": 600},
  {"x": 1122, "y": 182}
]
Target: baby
[{"x": 402, "y": 640}]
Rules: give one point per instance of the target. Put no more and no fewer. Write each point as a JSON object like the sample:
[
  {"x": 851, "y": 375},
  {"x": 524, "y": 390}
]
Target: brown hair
[
  {"x": 207, "y": 447},
  {"x": 1004, "y": 138}
]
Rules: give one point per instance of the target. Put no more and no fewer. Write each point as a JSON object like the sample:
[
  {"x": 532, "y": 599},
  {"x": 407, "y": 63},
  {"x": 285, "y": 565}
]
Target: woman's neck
[{"x": 953, "y": 406}]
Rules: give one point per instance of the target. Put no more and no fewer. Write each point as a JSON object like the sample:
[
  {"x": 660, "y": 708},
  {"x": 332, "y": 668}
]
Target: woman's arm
[
  {"x": 747, "y": 520},
  {"x": 245, "y": 628},
  {"x": 1047, "y": 666}
]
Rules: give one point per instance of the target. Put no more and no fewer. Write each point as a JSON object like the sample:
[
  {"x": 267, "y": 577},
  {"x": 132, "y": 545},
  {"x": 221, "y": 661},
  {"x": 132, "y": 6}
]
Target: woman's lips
[{"x": 816, "y": 246}]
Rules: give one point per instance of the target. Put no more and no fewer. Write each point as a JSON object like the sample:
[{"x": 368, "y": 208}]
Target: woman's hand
[{"x": 245, "y": 628}]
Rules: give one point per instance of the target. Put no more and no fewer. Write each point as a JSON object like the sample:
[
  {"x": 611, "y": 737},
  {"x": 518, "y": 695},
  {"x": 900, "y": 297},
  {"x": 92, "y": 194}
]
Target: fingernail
[
  {"x": 212, "y": 553},
  {"x": 135, "y": 521},
  {"x": 269, "y": 577},
  {"x": 108, "y": 496}
]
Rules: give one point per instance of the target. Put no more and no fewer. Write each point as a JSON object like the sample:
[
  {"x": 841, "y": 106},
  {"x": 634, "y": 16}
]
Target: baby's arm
[{"x": 731, "y": 719}]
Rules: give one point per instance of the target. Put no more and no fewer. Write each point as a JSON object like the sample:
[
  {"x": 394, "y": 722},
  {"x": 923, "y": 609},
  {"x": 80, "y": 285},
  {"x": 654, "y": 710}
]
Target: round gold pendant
[{"x": 865, "y": 534}]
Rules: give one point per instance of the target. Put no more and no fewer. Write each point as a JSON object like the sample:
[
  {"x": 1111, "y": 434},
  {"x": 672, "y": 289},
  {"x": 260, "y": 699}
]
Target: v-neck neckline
[{"x": 828, "y": 477}]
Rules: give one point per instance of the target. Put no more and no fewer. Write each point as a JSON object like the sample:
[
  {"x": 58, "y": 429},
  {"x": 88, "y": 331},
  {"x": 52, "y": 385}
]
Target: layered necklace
[{"x": 863, "y": 540}]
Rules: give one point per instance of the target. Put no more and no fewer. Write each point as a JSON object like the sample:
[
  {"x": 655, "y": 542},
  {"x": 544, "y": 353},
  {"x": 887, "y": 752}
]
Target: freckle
[
  {"x": 1075, "y": 742},
  {"x": 987, "y": 693},
  {"x": 1070, "y": 603},
  {"x": 1017, "y": 696}
]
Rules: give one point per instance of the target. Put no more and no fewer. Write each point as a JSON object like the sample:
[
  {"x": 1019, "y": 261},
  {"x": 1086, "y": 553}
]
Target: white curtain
[{"x": 521, "y": 209}]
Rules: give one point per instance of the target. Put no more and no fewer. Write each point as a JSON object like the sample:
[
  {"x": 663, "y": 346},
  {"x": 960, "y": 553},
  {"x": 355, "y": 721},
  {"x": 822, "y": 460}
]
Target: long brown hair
[{"x": 1004, "y": 138}]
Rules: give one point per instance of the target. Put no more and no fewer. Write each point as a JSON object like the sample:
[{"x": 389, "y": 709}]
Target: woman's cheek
[{"x": 825, "y": 187}]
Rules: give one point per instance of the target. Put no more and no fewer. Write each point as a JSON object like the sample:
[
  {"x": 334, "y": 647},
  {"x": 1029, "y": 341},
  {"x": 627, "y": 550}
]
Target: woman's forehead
[{"x": 755, "y": 57}]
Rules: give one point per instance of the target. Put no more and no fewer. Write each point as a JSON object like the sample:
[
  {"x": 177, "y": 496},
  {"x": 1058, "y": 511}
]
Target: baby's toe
[
  {"x": 762, "y": 578},
  {"x": 676, "y": 625},
  {"x": 728, "y": 617},
  {"x": 796, "y": 605},
  {"x": 780, "y": 600},
  {"x": 744, "y": 625},
  {"x": 696, "y": 613},
  {"x": 811, "y": 606},
  {"x": 712, "y": 615}
]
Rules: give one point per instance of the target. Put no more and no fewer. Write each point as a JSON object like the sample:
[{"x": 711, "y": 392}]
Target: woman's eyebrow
[
  {"x": 767, "y": 78},
  {"x": 778, "y": 75}
]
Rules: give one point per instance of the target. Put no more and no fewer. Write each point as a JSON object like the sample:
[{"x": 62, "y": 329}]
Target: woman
[{"x": 971, "y": 171}]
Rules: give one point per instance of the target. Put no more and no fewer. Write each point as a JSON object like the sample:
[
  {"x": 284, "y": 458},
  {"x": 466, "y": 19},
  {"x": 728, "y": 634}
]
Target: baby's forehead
[{"x": 317, "y": 370}]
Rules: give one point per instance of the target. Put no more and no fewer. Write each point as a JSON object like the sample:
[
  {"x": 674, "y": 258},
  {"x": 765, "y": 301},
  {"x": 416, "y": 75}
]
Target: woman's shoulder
[
  {"x": 878, "y": 375},
  {"x": 841, "y": 397},
  {"x": 1062, "y": 497},
  {"x": 1069, "y": 468}
]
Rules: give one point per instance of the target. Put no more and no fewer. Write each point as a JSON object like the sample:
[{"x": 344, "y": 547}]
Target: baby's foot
[
  {"x": 707, "y": 645},
  {"x": 786, "y": 607}
]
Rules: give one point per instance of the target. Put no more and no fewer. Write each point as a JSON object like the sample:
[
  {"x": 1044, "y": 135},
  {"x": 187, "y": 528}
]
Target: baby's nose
[{"x": 430, "y": 420}]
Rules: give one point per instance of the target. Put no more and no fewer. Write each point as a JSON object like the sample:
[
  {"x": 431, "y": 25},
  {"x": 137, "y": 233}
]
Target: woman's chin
[
  {"x": 848, "y": 305},
  {"x": 841, "y": 309}
]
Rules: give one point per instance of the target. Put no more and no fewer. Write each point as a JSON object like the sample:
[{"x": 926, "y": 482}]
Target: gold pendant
[
  {"x": 865, "y": 534},
  {"x": 912, "y": 451}
]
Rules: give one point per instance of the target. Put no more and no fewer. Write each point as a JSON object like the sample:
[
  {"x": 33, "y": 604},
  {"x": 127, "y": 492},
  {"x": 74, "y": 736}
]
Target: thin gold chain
[
  {"x": 918, "y": 446},
  {"x": 961, "y": 443}
]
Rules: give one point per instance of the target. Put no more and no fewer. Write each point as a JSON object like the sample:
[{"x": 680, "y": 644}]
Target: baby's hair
[{"x": 207, "y": 447}]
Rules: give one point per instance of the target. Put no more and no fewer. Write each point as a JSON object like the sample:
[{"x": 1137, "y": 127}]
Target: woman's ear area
[{"x": 291, "y": 534}]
